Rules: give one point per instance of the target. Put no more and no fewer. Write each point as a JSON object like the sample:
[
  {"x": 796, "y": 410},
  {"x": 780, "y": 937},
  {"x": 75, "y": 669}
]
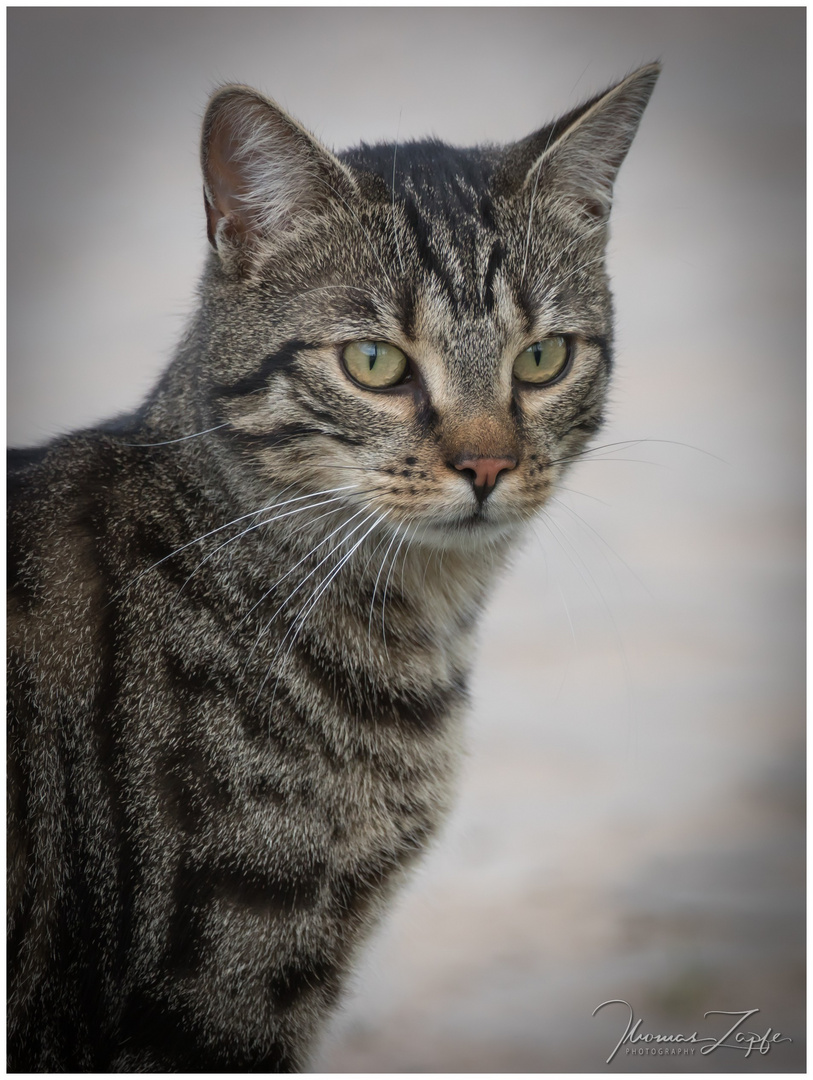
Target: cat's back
[
  {"x": 56, "y": 497},
  {"x": 73, "y": 507},
  {"x": 57, "y": 666},
  {"x": 64, "y": 501}
]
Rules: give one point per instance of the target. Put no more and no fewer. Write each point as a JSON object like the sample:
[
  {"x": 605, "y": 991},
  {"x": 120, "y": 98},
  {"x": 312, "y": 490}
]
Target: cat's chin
[{"x": 470, "y": 534}]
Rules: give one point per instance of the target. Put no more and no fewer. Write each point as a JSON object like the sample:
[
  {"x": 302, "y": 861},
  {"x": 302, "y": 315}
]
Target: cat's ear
[
  {"x": 263, "y": 173},
  {"x": 579, "y": 156}
]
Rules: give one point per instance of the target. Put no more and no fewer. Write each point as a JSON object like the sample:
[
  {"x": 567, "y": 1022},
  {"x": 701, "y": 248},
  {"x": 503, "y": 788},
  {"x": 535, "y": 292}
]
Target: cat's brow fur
[{"x": 242, "y": 618}]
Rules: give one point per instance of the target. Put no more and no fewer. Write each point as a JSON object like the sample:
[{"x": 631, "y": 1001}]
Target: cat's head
[{"x": 425, "y": 327}]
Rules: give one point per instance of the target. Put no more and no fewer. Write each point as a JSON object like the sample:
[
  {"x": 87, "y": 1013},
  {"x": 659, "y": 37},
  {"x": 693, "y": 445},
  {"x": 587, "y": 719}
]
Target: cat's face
[{"x": 427, "y": 329}]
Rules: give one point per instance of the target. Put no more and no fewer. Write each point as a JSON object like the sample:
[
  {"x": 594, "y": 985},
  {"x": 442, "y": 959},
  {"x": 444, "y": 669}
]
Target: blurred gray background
[{"x": 630, "y": 817}]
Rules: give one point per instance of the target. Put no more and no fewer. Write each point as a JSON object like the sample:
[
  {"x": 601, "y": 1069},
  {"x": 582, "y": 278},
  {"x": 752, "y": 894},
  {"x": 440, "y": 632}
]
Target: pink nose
[{"x": 484, "y": 471}]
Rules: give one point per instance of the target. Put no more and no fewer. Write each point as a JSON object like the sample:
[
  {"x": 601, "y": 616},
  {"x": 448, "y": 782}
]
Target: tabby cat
[{"x": 242, "y": 619}]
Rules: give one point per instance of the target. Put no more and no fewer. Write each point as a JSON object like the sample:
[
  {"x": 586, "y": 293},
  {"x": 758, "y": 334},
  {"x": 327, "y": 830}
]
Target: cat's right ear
[{"x": 263, "y": 173}]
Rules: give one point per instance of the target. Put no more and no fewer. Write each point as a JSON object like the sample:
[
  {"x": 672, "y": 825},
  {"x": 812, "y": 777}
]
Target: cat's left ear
[
  {"x": 579, "y": 156},
  {"x": 263, "y": 173}
]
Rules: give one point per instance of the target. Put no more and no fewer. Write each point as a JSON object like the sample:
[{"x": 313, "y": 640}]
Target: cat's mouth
[
  {"x": 472, "y": 530},
  {"x": 477, "y": 519}
]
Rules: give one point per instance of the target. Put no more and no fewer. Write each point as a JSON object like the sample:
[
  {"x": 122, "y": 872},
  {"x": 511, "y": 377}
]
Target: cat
[{"x": 242, "y": 619}]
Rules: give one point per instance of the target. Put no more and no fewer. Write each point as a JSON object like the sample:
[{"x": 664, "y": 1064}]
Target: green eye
[
  {"x": 542, "y": 361},
  {"x": 374, "y": 363}
]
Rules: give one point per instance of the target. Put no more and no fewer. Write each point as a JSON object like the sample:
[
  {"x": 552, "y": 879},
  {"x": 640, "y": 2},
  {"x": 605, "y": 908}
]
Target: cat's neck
[{"x": 387, "y": 601}]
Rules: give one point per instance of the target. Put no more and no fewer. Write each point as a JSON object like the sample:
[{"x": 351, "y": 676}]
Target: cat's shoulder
[{"x": 59, "y": 496}]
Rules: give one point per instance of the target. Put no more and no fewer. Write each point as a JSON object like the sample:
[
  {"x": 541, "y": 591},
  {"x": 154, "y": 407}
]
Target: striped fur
[{"x": 242, "y": 619}]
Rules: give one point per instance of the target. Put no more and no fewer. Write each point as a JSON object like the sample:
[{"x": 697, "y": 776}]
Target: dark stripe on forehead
[
  {"x": 277, "y": 363},
  {"x": 408, "y": 302},
  {"x": 524, "y": 301},
  {"x": 427, "y": 256},
  {"x": 351, "y": 299},
  {"x": 487, "y": 211},
  {"x": 495, "y": 261}
]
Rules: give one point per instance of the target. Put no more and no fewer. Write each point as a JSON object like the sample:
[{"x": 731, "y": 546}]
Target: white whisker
[
  {"x": 220, "y": 528},
  {"x": 386, "y": 585},
  {"x": 308, "y": 576},
  {"x": 299, "y": 622},
  {"x": 259, "y": 525},
  {"x": 600, "y": 538},
  {"x": 183, "y": 438},
  {"x": 375, "y": 586}
]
